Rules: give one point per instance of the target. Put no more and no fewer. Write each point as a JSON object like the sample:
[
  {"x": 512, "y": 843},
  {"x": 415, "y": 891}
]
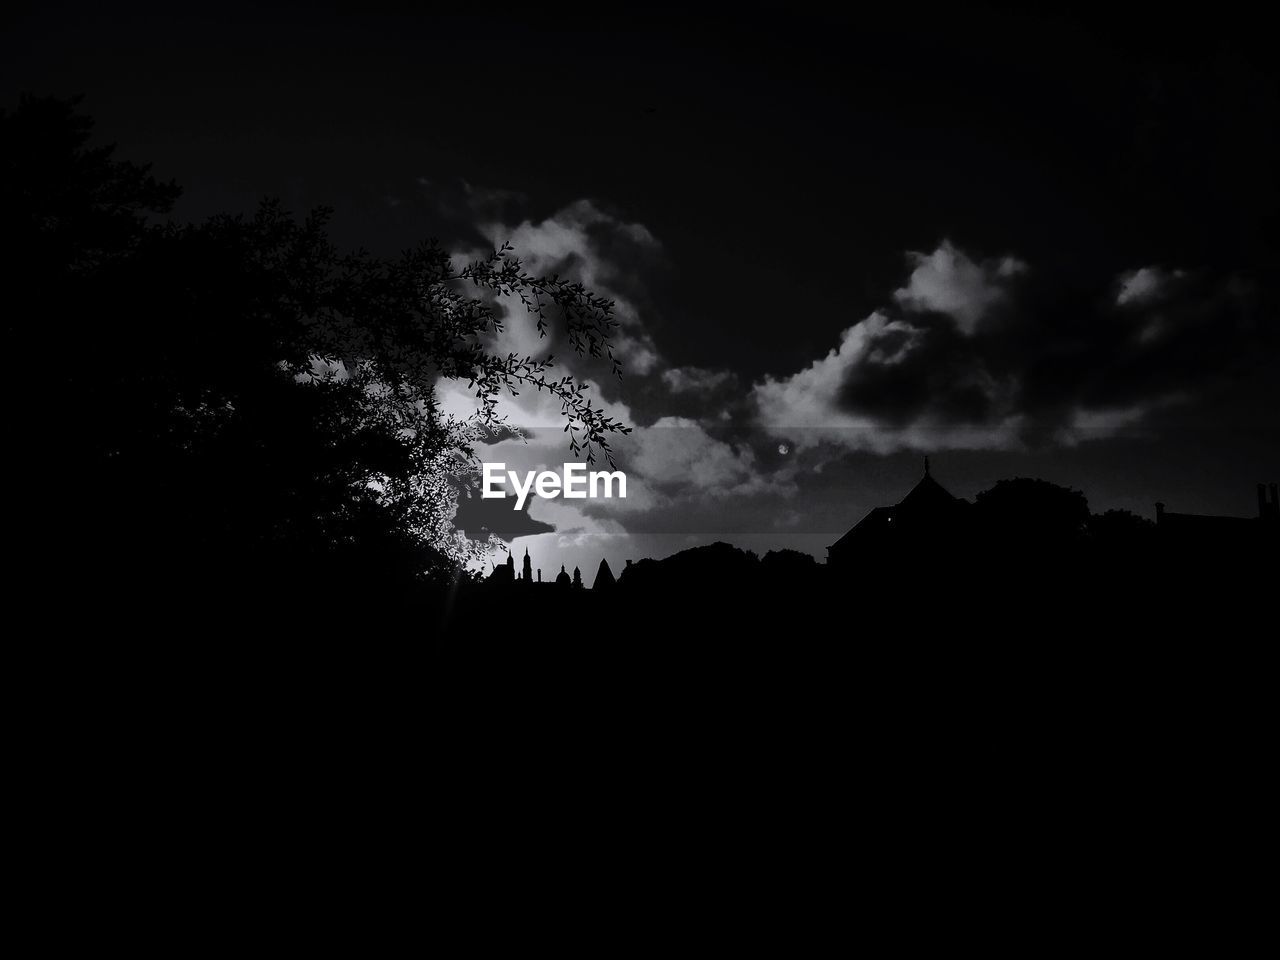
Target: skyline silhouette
[{"x": 929, "y": 518}]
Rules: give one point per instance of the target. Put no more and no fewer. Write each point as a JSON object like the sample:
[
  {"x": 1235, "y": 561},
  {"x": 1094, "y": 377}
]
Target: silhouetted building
[
  {"x": 1268, "y": 510},
  {"x": 1205, "y": 531},
  {"x": 929, "y": 514},
  {"x": 604, "y": 577},
  {"x": 506, "y": 573},
  {"x": 894, "y": 541}
]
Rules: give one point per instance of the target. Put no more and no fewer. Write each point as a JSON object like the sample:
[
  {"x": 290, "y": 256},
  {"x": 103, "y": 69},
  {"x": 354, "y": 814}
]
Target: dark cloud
[
  {"x": 1096, "y": 349},
  {"x": 478, "y": 518},
  {"x": 928, "y": 369},
  {"x": 995, "y": 354}
]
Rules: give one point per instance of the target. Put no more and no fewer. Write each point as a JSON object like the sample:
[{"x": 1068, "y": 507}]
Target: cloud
[
  {"x": 949, "y": 282},
  {"x": 872, "y": 393},
  {"x": 1093, "y": 424},
  {"x": 572, "y": 525},
  {"x": 679, "y": 455},
  {"x": 677, "y": 467},
  {"x": 695, "y": 379},
  {"x": 1144, "y": 285},
  {"x": 966, "y": 359},
  {"x": 1146, "y": 294},
  {"x": 637, "y": 352},
  {"x": 529, "y": 411},
  {"x": 587, "y": 244},
  {"x": 964, "y": 352},
  {"x": 478, "y": 517}
]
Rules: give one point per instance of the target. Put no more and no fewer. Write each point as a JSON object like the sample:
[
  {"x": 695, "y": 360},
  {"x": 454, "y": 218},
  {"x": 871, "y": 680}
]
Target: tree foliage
[
  {"x": 1033, "y": 510},
  {"x": 241, "y": 395}
]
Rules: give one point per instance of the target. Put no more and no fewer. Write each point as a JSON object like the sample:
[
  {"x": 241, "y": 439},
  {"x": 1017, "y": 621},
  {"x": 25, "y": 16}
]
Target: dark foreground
[{"x": 1052, "y": 754}]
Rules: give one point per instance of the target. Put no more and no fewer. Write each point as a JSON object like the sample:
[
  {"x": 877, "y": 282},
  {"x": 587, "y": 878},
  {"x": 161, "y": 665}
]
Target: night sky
[{"x": 1024, "y": 244}]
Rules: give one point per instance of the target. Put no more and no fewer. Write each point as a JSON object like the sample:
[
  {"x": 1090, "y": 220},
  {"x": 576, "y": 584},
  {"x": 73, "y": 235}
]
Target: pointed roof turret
[
  {"x": 604, "y": 576},
  {"x": 927, "y": 492},
  {"x": 929, "y": 505}
]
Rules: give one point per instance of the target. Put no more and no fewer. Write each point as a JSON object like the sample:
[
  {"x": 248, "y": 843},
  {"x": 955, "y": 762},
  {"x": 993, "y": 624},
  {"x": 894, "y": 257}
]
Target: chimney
[
  {"x": 1262, "y": 501},
  {"x": 1159, "y": 513}
]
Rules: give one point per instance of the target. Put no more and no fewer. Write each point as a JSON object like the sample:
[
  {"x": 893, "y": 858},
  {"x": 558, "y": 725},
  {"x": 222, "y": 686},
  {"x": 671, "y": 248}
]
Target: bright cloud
[{"x": 948, "y": 281}]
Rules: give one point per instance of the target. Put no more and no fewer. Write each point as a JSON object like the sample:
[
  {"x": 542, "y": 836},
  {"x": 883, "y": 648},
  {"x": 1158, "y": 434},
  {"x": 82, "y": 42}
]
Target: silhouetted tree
[
  {"x": 238, "y": 398},
  {"x": 1033, "y": 511},
  {"x": 1121, "y": 528},
  {"x": 789, "y": 566}
]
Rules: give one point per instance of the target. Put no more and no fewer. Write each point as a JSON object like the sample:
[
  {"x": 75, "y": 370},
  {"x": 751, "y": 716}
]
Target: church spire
[{"x": 926, "y": 465}]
